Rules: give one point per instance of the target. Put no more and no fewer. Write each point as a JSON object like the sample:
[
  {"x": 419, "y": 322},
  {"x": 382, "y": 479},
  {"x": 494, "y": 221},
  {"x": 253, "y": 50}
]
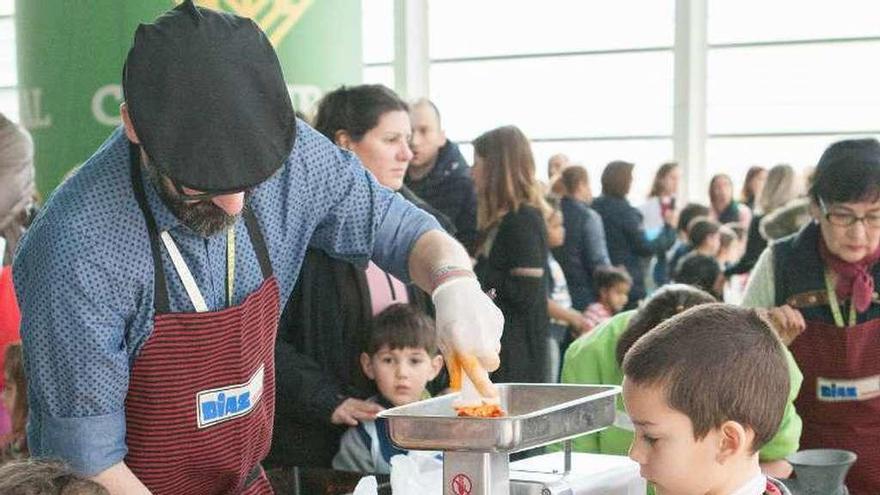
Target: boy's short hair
[
  {"x": 698, "y": 270},
  {"x": 700, "y": 228},
  {"x": 662, "y": 305},
  {"x": 402, "y": 325},
  {"x": 605, "y": 277},
  {"x": 690, "y": 212},
  {"x": 716, "y": 362},
  {"x": 42, "y": 477}
]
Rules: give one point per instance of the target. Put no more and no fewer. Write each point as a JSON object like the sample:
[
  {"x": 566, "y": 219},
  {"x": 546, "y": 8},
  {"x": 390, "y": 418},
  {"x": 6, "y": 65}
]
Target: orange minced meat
[{"x": 481, "y": 411}]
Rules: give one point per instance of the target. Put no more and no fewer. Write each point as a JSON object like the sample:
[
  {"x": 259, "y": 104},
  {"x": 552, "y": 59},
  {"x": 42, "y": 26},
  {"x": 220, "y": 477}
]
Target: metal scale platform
[{"x": 476, "y": 450}]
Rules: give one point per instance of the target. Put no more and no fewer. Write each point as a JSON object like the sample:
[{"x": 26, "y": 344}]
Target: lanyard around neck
[
  {"x": 186, "y": 277},
  {"x": 835, "y": 304}
]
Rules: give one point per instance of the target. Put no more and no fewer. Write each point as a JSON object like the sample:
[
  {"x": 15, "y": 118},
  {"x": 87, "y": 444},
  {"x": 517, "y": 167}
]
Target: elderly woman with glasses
[{"x": 820, "y": 287}]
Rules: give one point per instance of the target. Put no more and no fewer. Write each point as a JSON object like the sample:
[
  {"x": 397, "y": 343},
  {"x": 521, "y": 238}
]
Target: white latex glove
[{"x": 469, "y": 328}]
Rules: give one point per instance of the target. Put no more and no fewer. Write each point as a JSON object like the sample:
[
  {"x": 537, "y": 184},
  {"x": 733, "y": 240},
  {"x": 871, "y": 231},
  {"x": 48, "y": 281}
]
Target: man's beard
[{"x": 203, "y": 217}]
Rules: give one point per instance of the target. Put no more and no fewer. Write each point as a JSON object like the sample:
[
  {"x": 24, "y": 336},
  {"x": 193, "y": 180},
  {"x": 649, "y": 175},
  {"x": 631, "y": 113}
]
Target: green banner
[{"x": 70, "y": 63}]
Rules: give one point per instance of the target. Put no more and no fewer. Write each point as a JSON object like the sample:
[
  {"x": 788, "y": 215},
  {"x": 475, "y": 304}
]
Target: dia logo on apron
[{"x": 840, "y": 397}]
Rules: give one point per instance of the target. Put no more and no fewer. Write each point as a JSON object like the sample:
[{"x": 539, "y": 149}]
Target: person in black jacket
[
  {"x": 513, "y": 250},
  {"x": 439, "y": 174},
  {"x": 320, "y": 387},
  {"x": 624, "y": 231},
  {"x": 584, "y": 249}
]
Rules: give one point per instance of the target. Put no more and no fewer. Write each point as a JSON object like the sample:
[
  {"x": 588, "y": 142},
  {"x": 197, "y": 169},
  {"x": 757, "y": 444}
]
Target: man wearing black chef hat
[{"x": 151, "y": 281}]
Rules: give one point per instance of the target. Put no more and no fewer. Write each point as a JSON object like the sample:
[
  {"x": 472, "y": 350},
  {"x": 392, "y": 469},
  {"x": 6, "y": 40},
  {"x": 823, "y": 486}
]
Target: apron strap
[
  {"x": 161, "y": 288},
  {"x": 186, "y": 277},
  {"x": 162, "y": 306},
  {"x": 257, "y": 240}
]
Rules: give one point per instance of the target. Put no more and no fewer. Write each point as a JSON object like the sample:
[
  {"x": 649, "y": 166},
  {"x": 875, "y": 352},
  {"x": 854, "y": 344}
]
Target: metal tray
[{"x": 537, "y": 414}]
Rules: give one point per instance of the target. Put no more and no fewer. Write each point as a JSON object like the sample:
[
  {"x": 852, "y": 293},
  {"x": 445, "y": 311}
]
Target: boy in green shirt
[{"x": 595, "y": 359}]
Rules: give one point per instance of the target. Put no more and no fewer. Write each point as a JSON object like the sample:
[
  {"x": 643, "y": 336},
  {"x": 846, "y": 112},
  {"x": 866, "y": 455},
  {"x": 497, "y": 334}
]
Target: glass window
[
  {"x": 7, "y": 7},
  {"x": 377, "y": 17},
  {"x": 464, "y": 28},
  {"x": 814, "y": 87},
  {"x": 379, "y": 74},
  {"x": 8, "y": 76},
  {"x": 578, "y": 96},
  {"x": 759, "y": 20},
  {"x": 9, "y": 104},
  {"x": 734, "y": 156}
]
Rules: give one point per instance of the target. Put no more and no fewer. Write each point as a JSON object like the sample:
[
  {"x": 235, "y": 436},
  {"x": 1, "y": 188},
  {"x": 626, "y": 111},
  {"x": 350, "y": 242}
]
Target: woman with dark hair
[
  {"x": 584, "y": 249},
  {"x": 821, "y": 286},
  {"x": 724, "y": 208},
  {"x": 596, "y": 357},
  {"x": 320, "y": 385},
  {"x": 661, "y": 200},
  {"x": 752, "y": 186},
  {"x": 512, "y": 251},
  {"x": 625, "y": 230}
]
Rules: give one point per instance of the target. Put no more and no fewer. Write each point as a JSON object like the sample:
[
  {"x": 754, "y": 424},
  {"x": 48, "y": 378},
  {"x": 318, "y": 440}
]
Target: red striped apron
[
  {"x": 838, "y": 409},
  {"x": 201, "y": 397}
]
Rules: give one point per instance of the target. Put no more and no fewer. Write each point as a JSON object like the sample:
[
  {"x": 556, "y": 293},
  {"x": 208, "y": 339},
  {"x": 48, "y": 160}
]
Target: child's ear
[
  {"x": 735, "y": 441},
  {"x": 367, "y": 366},
  {"x": 436, "y": 365}
]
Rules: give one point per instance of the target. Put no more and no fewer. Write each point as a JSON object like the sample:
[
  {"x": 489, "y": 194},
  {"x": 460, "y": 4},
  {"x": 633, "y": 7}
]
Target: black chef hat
[{"x": 207, "y": 99}]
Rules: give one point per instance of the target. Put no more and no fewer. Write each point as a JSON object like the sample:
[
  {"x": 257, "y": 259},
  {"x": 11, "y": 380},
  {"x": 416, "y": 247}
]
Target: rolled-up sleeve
[
  {"x": 401, "y": 227},
  {"x": 76, "y": 357}
]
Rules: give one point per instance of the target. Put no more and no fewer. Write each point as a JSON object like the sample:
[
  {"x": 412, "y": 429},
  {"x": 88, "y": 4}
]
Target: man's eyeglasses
[
  {"x": 841, "y": 219},
  {"x": 188, "y": 196}
]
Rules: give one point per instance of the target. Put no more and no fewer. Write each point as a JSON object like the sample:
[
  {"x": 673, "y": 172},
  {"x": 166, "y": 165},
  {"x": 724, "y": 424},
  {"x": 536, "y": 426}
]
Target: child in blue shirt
[{"x": 401, "y": 357}]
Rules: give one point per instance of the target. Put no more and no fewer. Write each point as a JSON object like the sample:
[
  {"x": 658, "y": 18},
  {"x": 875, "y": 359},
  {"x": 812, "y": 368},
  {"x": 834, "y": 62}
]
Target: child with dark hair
[
  {"x": 401, "y": 357},
  {"x": 612, "y": 286},
  {"x": 33, "y": 477},
  {"x": 682, "y": 244},
  {"x": 705, "y": 390},
  {"x": 596, "y": 359},
  {"x": 703, "y": 235},
  {"x": 14, "y": 444},
  {"x": 702, "y": 272}
]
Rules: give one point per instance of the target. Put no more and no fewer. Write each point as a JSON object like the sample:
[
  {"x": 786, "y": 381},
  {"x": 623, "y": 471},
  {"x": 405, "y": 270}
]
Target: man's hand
[
  {"x": 353, "y": 411},
  {"x": 786, "y": 321},
  {"x": 469, "y": 327}
]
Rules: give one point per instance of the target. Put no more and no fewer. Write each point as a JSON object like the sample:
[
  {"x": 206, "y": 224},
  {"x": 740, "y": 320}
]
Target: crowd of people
[{"x": 606, "y": 290}]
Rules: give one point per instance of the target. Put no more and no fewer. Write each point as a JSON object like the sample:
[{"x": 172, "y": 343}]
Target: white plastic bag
[
  {"x": 418, "y": 473},
  {"x": 366, "y": 486}
]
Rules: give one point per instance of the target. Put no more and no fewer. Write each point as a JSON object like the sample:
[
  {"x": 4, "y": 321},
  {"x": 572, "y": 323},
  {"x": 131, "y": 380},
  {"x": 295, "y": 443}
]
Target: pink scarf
[{"x": 853, "y": 279}]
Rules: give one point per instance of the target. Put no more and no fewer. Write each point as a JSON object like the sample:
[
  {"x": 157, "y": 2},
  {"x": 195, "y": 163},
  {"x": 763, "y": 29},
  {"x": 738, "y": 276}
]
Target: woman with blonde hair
[
  {"x": 782, "y": 186},
  {"x": 512, "y": 249}
]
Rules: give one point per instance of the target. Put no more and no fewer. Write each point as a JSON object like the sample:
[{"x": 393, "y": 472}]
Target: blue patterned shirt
[{"x": 84, "y": 276}]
